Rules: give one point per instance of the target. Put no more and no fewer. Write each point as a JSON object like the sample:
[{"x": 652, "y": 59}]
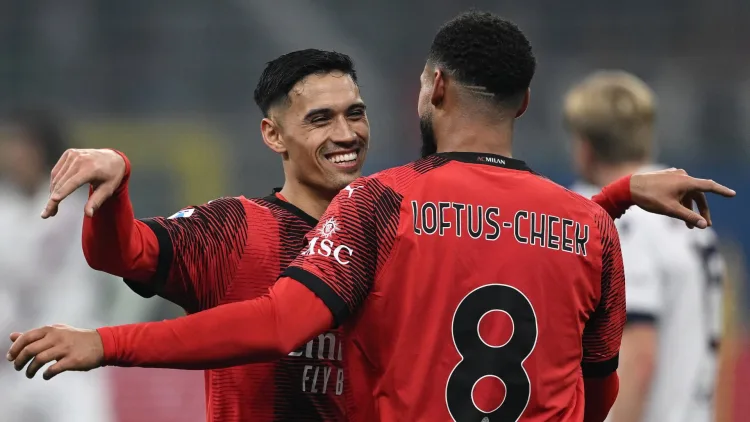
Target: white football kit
[{"x": 673, "y": 279}]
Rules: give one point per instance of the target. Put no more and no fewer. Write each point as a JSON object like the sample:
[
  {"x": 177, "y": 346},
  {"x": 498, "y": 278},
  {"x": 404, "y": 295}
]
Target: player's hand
[
  {"x": 102, "y": 168},
  {"x": 73, "y": 349},
  {"x": 672, "y": 192}
]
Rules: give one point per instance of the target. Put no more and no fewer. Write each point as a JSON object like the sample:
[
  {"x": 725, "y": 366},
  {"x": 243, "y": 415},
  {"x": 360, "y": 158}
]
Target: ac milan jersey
[
  {"x": 230, "y": 250},
  {"x": 469, "y": 289}
]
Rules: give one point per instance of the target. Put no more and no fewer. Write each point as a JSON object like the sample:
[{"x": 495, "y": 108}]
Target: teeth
[{"x": 343, "y": 158}]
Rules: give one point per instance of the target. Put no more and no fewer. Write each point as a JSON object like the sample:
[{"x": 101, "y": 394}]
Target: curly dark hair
[
  {"x": 486, "y": 51},
  {"x": 282, "y": 73}
]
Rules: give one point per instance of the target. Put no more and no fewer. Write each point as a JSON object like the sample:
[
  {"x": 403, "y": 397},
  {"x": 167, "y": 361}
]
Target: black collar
[
  {"x": 485, "y": 158},
  {"x": 272, "y": 198}
]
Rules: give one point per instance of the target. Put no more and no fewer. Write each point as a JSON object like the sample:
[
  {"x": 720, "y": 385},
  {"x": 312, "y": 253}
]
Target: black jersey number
[{"x": 478, "y": 359}]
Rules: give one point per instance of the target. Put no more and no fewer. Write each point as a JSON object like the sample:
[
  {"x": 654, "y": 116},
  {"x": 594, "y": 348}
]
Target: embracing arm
[
  {"x": 615, "y": 198},
  {"x": 272, "y": 326},
  {"x": 669, "y": 192}
]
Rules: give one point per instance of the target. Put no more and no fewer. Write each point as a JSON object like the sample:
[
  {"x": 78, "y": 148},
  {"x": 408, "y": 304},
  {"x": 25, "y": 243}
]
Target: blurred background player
[
  {"x": 44, "y": 274},
  {"x": 233, "y": 249},
  {"x": 668, "y": 358}
]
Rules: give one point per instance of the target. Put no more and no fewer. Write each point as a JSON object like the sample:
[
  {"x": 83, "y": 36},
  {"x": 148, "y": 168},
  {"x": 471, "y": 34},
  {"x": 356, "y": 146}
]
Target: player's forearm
[
  {"x": 635, "y": 382},
  {"x": 615, "y": 198},
  {"x": 116, "y": 243},
  {"x": 600, "y": 394},
  {"x": 262, "y": 329}
]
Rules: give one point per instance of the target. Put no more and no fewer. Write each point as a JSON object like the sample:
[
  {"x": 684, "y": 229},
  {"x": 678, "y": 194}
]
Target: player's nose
[{"x": 343, "y": 133}]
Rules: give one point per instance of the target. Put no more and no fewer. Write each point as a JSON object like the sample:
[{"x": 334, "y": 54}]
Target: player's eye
[
  {"x": 357, "y": 113},
  {"x": 319, "y": 120}
]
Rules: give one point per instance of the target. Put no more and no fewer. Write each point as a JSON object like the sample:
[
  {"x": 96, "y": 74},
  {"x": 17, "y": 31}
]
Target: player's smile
[{"x": 348, "y": 159}]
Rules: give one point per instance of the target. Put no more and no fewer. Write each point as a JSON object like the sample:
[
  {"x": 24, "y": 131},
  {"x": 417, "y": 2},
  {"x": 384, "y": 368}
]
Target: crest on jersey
[
  {"x": 328, "y": 228},
  {"x": 182, "y": 214}
]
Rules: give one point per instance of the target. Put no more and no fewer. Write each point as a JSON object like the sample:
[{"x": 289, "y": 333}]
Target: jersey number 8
[{"x": 480, "y": 360}]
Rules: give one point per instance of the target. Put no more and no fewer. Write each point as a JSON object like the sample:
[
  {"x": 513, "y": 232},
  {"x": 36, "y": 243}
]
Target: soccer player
[
  {"x": 233, "y": 249},
  {"x": 383, "y": 263},
  {"x": 674, "y": 276}
]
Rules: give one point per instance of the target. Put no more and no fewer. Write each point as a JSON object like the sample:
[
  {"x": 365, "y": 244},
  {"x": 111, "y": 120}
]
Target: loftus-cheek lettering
[
  {"x": 483, "y": 222},
  {"x": 443, "y": 218},
  {"x": 551, "y": 232},
  {"x": 326, "y": 247}
]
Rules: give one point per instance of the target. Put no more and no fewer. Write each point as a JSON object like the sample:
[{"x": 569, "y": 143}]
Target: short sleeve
[
  {"x": 199, "y": 251},
  {"x": 350, "y": 244},
  {"x": 603, "y": 332},
  {"x": 643, "y": 290}
]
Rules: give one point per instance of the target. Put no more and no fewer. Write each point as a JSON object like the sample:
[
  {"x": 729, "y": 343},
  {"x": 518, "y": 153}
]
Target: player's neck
[
  {"x": 311, "y": 202},
  {"x": 463, "y": 135},
  {"x": 607, "y": 174}
]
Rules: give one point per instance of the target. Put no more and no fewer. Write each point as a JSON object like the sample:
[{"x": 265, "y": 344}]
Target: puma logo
[{"x": 351, "y": 190}]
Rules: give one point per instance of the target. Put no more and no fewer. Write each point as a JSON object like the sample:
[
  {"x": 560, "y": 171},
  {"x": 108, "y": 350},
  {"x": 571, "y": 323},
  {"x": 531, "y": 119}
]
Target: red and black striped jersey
[
  {"x": 230, "y": 250},
  {"x": 469, "y": 289}
]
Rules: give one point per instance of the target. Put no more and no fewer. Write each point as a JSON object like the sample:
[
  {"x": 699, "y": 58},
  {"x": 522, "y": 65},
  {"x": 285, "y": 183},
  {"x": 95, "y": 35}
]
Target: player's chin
[{"x": 337, "y": 180}]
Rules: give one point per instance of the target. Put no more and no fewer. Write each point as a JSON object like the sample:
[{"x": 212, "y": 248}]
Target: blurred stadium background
[{"x": 170, "y": 83}]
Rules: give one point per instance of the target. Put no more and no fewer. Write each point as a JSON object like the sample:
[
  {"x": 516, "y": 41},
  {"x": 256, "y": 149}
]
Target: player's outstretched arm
[
  {"x": 182, "y": 259},
  {"x": 302, "y": 304},
  {"x": 673, "y": 192},
  {"x": 669, "y": 192},
  {"x": 262, "y": 329},
  {"x": 113, "y": 240}
]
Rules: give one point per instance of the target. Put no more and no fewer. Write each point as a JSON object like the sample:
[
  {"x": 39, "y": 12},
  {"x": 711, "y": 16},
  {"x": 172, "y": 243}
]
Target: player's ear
[
  {"x": 272, "y": 136},
  {"x": 524, "y": 103},
  {"x": 438, "y": 88}
]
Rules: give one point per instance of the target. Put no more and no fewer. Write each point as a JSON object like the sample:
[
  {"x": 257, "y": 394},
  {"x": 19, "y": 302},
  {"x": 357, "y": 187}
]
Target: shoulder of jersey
[
  {"x": 401, "y": 177},
  {"x": 568, "y": 194},
  {"x": 220, "y": 206}
]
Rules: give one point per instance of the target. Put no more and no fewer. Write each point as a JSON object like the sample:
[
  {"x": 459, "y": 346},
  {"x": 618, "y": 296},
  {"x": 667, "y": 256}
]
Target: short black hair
[
  {"x": 484, "y": 50},
  {"x": 44, "y": 128},
  {"x": 281, "y": 74}
]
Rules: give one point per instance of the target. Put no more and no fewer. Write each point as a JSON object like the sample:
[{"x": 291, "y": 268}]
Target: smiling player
[{"x": 233, "y": 249}]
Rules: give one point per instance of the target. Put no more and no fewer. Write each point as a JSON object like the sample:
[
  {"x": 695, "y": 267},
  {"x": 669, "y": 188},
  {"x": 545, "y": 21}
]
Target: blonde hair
[{"x": 614, "y": 112}]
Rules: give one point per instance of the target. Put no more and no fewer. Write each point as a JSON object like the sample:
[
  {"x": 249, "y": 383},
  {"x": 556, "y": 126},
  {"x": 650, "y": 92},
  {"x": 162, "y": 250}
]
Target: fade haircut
[
  {"x": 487, "y": 54},
  {"x": 282, "y": 73},
  {"x": 613, "y": 111}
]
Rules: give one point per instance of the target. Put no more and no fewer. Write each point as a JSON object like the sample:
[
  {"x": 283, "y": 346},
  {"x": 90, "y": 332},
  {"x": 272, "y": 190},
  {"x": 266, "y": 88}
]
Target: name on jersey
[{"x": 478, "y": 222}]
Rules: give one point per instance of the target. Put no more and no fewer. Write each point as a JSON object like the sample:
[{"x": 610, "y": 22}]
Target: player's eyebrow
[
  {"x": 359, "y": 105},
  {"x": 327, "y": 111}
]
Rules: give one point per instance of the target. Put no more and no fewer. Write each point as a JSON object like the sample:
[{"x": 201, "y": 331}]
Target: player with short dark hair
[
  {"x": 283, "y": 73},
  {"x": 494, "y": 89},
  {"x": 410, "y": 261},
  {"x": 233, "y": 249}
]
